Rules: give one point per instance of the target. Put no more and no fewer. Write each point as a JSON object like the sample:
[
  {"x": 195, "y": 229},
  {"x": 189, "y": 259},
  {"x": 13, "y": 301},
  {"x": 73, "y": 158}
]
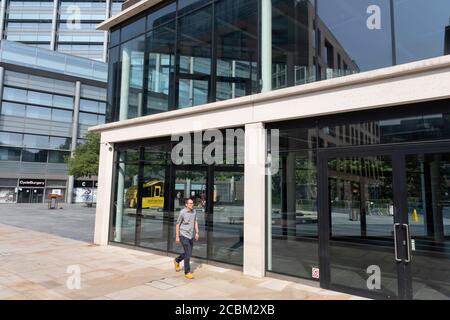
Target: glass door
[
  {"x": 191, "y": 183},
  {"x": 361, "y": 252},
  {"x": 37, "y": 195},
  {"x": 428, "y": 212},
  {"x": 24, "y": 195},
  {"x": 385, "y": 222},
  {"x": 227, "y": 223}
]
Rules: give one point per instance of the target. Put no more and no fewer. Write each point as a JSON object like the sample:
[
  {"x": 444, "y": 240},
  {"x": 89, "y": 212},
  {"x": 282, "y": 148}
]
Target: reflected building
[
  {"x": 53, "y": 76},
  {"x": 447, "y": 40},
  {"x": 343, "y": 148}
]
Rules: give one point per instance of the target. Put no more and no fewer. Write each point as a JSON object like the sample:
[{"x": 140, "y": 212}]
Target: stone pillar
[
  {"x": 73, "y": 145},
  {"x": 266, "y": 45},
  {"x": 254, "y": 200},
  {"x": 105, "y": 186}
]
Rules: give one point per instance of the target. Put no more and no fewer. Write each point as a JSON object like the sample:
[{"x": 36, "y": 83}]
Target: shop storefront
[
  {"x": 85, "y": 191},
  {"x": 8, "y": 190},
  {"x": 31, "y": 190},
  {"x": 149, "y": 193},
  {"x": 361, "y": 195}
]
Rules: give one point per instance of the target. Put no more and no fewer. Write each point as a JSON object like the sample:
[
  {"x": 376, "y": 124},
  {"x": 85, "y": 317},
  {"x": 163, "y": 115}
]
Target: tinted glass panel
[
  {"x": 228, "y": 217},
  {"x": 362, "y": 216},
  {"x": 293, "y": 42},
  {"x": 160, "y": 68},
  {"x": 40, "y": 98},
  {"x": 414, "y": 128},
  {"x": 237, "y": 30},
  {"x": 57, "y": 156},
  {"x": 194, "y": 49},
  {"x": 11, "y": 139},
  {"x": 9, "y": 154},
  {"x": 63, "y": 102},
  {"x": 185, "y": 6},
  {"x": 88, "y": 119},
  {"x": 124, "y": 218},
  {"x": 422, "y": 29},
  {"x": 32, "y": 141},
  {"x": 161, "y": 16},
  {"x": 293, "y": 212},
  {"x": 40, "y": 113},
  {"x": 428, "y": 185},
  {"x": 62, "y": 116},
  {"x": 133, "y": 29},
  {"x": 132, "y": 67},
  {"x": 14, "y": 94},
  {"x": 359, "y": 31},
  {"x": 12, "y": 109},
  {"x": 60, "y": 143},
  {"x": 33, "y": 155},
  {"x": 155, "y": 207}
]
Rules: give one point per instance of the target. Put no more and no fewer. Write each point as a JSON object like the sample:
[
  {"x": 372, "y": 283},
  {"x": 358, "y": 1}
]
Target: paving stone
[{"x": 37, "y": 268}]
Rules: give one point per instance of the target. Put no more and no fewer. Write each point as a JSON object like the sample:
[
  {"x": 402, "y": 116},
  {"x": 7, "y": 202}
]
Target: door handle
[
  {"x": 408, "y": 243},
  {"x": 396, "y": 225}
]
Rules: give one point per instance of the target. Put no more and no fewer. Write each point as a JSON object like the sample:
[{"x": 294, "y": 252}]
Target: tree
[{"x": 86, "y": 156}]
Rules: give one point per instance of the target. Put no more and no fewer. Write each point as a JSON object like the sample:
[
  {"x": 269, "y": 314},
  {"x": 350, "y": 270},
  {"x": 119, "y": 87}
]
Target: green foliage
[{"x": 86, "y": 157}]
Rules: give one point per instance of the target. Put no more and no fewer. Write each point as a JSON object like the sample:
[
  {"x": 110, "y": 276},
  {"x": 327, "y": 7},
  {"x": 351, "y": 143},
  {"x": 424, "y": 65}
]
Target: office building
[
  {"x": 53, "y": 87},
  {"x": 337, "y": 114}
]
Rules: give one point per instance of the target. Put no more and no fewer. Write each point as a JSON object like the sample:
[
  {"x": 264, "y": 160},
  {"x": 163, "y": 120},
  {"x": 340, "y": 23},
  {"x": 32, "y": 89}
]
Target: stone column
[
  {"x": 254, "y": 200},
  {"x": 105, "y": 186}
]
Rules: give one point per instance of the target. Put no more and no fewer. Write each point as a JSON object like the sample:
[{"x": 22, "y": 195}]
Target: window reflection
[
  {"x": 422, "y": 29},
  {"x": 160, "y": 46},
  {"x": 194, "y": 50},
  {"x": 395, "y": 130},
  {"x": 237, "y": 30},
  {"x": 131, "y": 84},
  {"x": 293, "y": 214},
  {"x": 124, "y": 218}
]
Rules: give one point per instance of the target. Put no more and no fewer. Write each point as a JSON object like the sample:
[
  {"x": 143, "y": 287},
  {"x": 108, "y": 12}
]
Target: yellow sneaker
[
  {"x": 189, "y": 275},
  {"x": 177, "y": 265}
]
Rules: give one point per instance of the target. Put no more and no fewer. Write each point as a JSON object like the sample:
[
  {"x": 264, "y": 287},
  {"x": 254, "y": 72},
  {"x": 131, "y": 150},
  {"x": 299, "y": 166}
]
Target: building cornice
[
  {"x": 315, "y": 88},
  {"x": 127, "y": 13}
]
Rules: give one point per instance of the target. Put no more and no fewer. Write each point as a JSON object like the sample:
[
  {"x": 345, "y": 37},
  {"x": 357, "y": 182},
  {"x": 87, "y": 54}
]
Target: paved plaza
[{"x": 41, "y": 256}]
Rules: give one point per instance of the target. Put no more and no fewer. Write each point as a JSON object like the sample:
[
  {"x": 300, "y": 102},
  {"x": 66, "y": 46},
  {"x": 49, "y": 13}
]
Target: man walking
[{"x": 187, "y": 221}]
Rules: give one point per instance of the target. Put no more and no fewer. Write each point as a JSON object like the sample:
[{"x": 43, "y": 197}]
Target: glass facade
[
  {"x": 74, "y": 24},
  {"x": 177, "y": 58},
  {"x": 36, "y": 120},
  {"x": 150, "y": 188},
  {"x": 358, "y": 184},
  {"x": 187, "y": 53},
  {"x": 43, "y": 53}
]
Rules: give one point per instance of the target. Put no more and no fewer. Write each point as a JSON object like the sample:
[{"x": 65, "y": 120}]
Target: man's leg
[
  {"x": 180, "y": 257},
  {"x": 187, "y": 255}
]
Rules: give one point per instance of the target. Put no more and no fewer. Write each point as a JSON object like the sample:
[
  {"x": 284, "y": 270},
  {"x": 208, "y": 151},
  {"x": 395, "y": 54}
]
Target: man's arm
[
  {"x": 177, "y": 233},
  {"x": 196, "y": 230}
]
